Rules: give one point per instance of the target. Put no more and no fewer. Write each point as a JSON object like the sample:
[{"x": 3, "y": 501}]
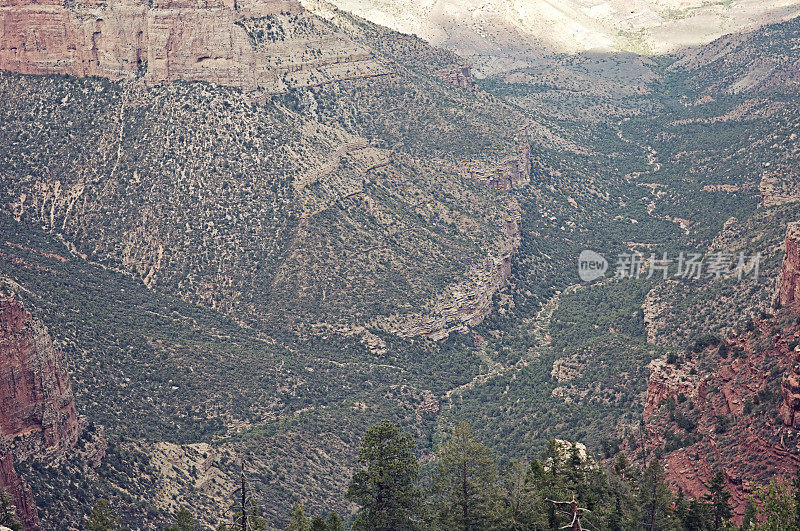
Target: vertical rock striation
[
  {"x": 168, "y": 40},
  {"x": 788, "y": 291},
  {"x": 38, "y": 416},
  {"x": 19, "y": 491}
]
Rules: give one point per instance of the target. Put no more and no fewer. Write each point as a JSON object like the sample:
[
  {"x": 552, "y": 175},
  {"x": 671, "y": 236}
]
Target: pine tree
[
  {"x": 466, "y": 481},
  {"x": 102, "y": 517},
  {"x": 298, "y": 521},
  {"x": 318, "y": 523},
  {"x": 334, "y": 522},
  {"x": 681, "y": 507},
  {"x": 385, "y": 488},
  {"x": 655, "y": 497},
  {"x": 699, "y": 515},
  {"x": 522, "y": 507},
  {"x": 184, "y": 521},
  {"x": 719, "y": 499},
  {"x": 622, "y": 467}
]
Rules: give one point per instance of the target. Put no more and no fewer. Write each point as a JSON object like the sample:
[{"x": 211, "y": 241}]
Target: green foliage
[
  {"x": 776, "y": 507},
  {"x": 7, "y": 516},
  {"x": 465, "y": 483},
  {"x": 184, "y": 521},
  {"x": 655, "y": 498},
  {"x": 102, "y": 517},
  {"x": 385, "y": 488},
  {"x": 299, "y": 521},
  {"x": 719, "y": 499}
]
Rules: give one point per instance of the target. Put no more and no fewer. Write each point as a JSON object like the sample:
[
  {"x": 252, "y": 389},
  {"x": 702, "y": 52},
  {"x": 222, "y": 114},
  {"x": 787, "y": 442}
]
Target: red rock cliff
[
  {"x": 38, "y": 416},
  {"x": 788, "y": 291},
  {"x": 711, "y": 408},
  {"x": 19, "y": 491}
]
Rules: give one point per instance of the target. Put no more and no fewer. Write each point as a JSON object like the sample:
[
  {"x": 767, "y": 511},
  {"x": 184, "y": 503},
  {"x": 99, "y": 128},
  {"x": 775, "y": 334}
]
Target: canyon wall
[
  {"x": 510, "y": 173},
  {"x": 460, "y": 75},
  {"x": 466, "y": 303},
  {"x": 788, "y": 289},
  {"x": 168, "y": 40},
  {"x": 38, "y": 417},
  {"x": 706, "y": 410},
  {"x": 19, "y": 491}
]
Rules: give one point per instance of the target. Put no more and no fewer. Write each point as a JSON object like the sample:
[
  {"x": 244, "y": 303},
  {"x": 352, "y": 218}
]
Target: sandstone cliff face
[
  {"x": 788, "y": 291},
  {"x": 19, "y": 491},
  {"x": 707, "y": 411},
  {"x": 38, "y": 416},
  {"x": 169, "y": 40},
  {"x": 39, "y": 412}
]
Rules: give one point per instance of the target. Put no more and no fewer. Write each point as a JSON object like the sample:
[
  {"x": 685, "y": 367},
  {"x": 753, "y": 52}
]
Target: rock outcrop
[
  {"x": 707, "y": 409},
  {"x": 788, "y": 290},
  {"x": 38, "y": 414},
  {"x": 38, "y": 417},
  {"x": 780, "y": 187},
  {"x": 511, "y": 173},
  {"x": 18, "y": 489},
  {"x": 460, "y": 75},
  {"x": 790, "y": 392},
  {"x": 248, "y": 44},
  {"x": 467, "y": 303}
]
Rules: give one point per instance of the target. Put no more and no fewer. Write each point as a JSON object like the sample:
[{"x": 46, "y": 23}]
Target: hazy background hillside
[{"x": 497, "y": 35}]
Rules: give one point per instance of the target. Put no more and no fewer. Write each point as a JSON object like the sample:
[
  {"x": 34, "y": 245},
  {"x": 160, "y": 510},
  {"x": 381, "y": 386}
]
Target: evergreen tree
[
  {"x": 385, "y": 489},
  {"x": 102, "y": 517},
  {"x": 655, "y": 497},
  {"x": 318, "y": 523},
  {"x": 334, "y": 522},
  {"x": 681, "y": 507},
  {"x": 465, "y": 482},
  {"x": 184, "y": 521},
  {"x": 298, "y": 521},
  {"x": 719, "y": 499},
  {"x": 7, "y": 516},
  {"x": 699, "y": 516},
  {"x": 622, "y": 467},
  {"x": 749, "y": 520},
  {"x": 522, "y": 507}
]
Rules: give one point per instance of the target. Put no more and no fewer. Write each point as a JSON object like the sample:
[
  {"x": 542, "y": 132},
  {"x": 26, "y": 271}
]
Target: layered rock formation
[
  {"x": 38, "y": 416},
  {"x": 708, "y": 409},
  {"x": 466, "y": 303},
  {"x": 510, "y": 173},
  {"x": 246, "y": 44},
  {"x": 39, "y": 411},
  {"x": 788, "y": 290}
]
